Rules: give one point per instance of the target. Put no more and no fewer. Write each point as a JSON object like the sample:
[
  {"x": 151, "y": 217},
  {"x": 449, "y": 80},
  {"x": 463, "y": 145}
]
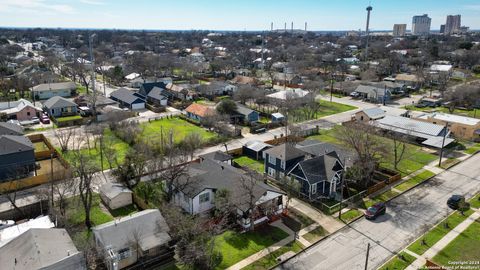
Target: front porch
[{"x": 265, "y": 212}]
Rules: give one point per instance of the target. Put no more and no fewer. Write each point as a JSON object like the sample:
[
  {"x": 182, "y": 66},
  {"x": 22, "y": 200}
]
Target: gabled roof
[
  {"x": 41, "y": 249},
  {"x": 199, "y": 109},
  {"x": 285, "y": 152},
  {"x": 55, "y": 86},
  {"x": 374, "y": 113},
  {"x": 241, "y": 109},
  {"x": 125, "y": 96},
  {"x": 257, "y": 145},
  {"x": 14, "y": 144},
  {"x": 58, "y": 102},
  {"x": 7, "y": 234},
  {"x": 371, "y": 90},
  {"x": 147, "y": 87},
  {"x": 217, "y": 156},
  {"x": 112, "y": 190},
  {"x": 318, "y": 169},
  {"x": 156, "y": 93},
  {"x": 148, "y": 227},
  {"x": 10, "y": 129}
]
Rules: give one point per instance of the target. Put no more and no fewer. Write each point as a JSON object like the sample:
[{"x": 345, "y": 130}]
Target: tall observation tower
[{"x": 367, "y": 30}]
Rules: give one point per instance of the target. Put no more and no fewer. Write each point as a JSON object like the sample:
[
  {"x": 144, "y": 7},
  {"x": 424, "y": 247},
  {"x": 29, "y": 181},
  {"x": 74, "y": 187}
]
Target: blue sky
[{"x": 231, "y": 15}]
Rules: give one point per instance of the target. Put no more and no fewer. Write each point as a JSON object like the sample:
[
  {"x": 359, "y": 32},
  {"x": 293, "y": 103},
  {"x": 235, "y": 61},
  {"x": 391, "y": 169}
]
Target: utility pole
[
  {"x": 51, "y": 180},
  {"x": 368, "y": 253},
  {"x": 443, "y": 145},
  {"x": 92, "y": 63}
]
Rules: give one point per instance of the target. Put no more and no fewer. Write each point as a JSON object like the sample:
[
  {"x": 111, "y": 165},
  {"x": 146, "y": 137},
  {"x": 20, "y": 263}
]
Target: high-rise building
[
  {"x": 421, "y": 25},
  {"x": 399, "y": 30},
  {"x": 453, "y": 24},
  {"x": 442, "y": 28}
]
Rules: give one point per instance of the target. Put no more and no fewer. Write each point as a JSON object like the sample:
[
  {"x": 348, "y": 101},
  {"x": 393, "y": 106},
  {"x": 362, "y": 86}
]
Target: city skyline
[{"x": 217, "y": 15}]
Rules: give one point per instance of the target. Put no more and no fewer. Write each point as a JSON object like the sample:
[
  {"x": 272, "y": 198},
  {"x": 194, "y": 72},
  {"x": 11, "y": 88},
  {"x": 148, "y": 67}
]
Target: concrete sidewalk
[
  {"x": 329, "y": 223},
  {"x": 449, "y": 237}
]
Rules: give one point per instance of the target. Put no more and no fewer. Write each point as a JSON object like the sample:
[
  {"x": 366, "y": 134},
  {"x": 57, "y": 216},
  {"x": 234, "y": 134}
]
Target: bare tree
[
  {"x": 63, "y": 137},
  {"x": 134, "y": 166},
  {"x": 249, "y": 187}
]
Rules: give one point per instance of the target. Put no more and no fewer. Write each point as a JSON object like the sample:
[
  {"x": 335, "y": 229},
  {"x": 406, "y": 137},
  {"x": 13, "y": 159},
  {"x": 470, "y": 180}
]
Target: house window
[
  {"x": 205, "y": 197},
  {"x": 314, "y": 188},
  {"x": 124, "y": 253},
  {"x": 28, "y": 113},
  {"x": 53, "y": 111},
  {"x": 271, "y": 172},
  {"x": 272, "y": 160},
  {"x": 282, "y": 164}
]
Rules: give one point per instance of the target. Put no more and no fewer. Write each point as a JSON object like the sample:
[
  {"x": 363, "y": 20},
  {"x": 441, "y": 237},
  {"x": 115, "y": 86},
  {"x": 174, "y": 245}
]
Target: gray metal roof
[
  {"x": 14, "y": 144},
  {"x": 374, "y": 113},
  {"x": 148, "y": 227},
  {"x": 41, "y": 249},
  {"x": 241, "y": 109},
  {"x": 257, "y": 145},
  {"x": 10, "y": 129},
  {"x": 58, "y": 102},
  {"x": 55, "y": 86}
]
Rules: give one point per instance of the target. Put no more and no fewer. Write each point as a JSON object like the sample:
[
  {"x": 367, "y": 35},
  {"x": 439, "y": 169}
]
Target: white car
[{"x": 354, "y": 94}]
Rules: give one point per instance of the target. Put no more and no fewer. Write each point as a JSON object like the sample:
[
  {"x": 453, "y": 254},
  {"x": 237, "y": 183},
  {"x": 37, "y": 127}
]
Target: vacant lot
[
  {"x": 326, "y": 108},
  {"x": 177, "y": 127}
]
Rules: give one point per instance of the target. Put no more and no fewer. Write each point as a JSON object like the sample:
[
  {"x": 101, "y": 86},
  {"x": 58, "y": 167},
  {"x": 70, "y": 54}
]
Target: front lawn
[
  {"x": 399, "y": 262},
  {"x": 315, "y": 235},
  {"x": 350, "y": 215},
  {"x": 270, "y": 260},
  {"x": 417, "y": 179},
  {"x": 326, "y": 108},
  {"x": 179, "y": 128},
  {"x": 448, "y": 163},
  {"x": 475, "y": 201},
  {"x": 68, "y": 118},
  {"x": 235, "y": 246},
  {"x": 464, "y": 248},
  {"x": 438, "y": 232},
  {"x": 300, "y": 217},
  {"x": 387, "y": 195},
  {"x": 252, "y": 164}
]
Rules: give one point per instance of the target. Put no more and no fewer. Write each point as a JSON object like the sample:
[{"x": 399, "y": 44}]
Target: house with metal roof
[
  {"x": 43, "y": 248},
  {"x": 139, "y": 237},
  {"x": 428, "y": 134},
  {"x": 461, "y": 127},
  {"x": 128, "y": 99},
  {"x": 48, "y": 90},
  {"x": 370, "y": 114},
  {"x": 58, "y": 107},
  {"x": 21, "y": 110}
]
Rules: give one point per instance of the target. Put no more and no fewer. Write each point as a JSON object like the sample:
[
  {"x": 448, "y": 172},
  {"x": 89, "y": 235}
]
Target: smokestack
[
  {"x": 369, "y": 8},
  {"x": 305, "y": 26},
  {"x": 271, "y": 26},
  {"x": 292, "y": 27}
]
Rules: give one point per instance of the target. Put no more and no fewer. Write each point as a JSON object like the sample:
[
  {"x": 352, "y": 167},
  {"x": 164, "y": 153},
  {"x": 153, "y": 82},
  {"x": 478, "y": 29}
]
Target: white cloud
[
  {"x": 34, "y": 6},
  {"x": 93, "y": 2}
]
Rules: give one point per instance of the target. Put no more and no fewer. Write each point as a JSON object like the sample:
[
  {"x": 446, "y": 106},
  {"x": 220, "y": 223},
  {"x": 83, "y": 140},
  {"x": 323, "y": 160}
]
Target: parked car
[
  {"x": 375, "y": 211},
  {"x": 355, "y": 94},
  {"x": 6, "y": 223},
  {"x": 44, "y": 119},
  {"x": 457, "y": 201},
  {"x": 35, "y": 120}
]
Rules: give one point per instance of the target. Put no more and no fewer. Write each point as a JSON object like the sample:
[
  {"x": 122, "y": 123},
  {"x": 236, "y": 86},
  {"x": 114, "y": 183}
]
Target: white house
[{"x": 115, "y": 195}]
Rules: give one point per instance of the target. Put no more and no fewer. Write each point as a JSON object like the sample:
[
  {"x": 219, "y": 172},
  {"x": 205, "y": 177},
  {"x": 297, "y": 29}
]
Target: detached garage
[{"x": 115, "y": 195}]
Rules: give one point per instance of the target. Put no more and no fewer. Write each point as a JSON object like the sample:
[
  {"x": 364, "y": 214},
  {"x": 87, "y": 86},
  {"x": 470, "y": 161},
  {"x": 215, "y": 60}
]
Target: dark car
[
  {"x": 375, "y": 211},
  {"x": 44, "y": 119},
  {"x": 456, "y": 201}
]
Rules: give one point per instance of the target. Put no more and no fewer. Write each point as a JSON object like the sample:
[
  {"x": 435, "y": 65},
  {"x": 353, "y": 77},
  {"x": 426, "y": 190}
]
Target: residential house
[
  {"x": 410, "y": 80},
  {"x": 461, "y": 127},
  {"x": 100, "y": 101},
  {"x": 218, "y": 156},
  {"x": 128, "y": 99},
  {"x": 393, "y": 87},
  {"x": 10, "y": 233},
  {"x": 51, "y": 249},
  {"x": 428, "y": 134},
  {"x": 282, "y": 78},
  {"x": 218, "y": 88},
  {"x": 246, "y": 115},
  {"x": 203, "y": 180},
  {"x": 17, "y": 157},
  {"x": 374, "y": 94},
  {"x": 279, "y": 160},
  {"x": 320, "y": 176},
  {"x": 58, "y": 107},
  {"x": 198, "y": 111},
  {"x": 370, "y": 114},
  {"x": 139, "y": 237},
  {"x": 156, "y": 97},
  {"x": 180, "y": 91},
  {"x": 288, "y": 94},
  {"x": 240, "y": 79},
  {"x": 10, "y": 129},
  {"x": 255, "y": 149},
  {"x": 115, "y": 195},
  {"x": 48, "y": 90},
  {"x": 145, "y": 88},
  {"x": 21, "y": 110}
]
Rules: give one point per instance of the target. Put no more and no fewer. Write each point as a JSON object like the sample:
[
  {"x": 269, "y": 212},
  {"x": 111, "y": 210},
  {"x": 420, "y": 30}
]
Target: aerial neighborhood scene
[{"x": 178, "y": 135}]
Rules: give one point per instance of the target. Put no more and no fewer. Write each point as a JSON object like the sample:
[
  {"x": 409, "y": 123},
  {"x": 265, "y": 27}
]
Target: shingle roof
[
  {"x": 318, "y": 148},
  {"x": 217, "y": 156},
  {"x": 200, "y": 110},
  {"x": 374, "y": 113},
  {"x": 55, "y": 86},
  {"x": 371, "y": 90},
  {"x": 112, "y": 190},
  {"x": 10, "y": 129},
  {"x": 148, "y": 227},
  {"x": 125, "y": 96},
  {"x": 58, "y": 102},
  {"x": 317, "y": 169},
  {"x": 243, "y": 110},
  {"x": 156, "y": 93},
  {"x": 285, "y": 152},
  {"x": 14, "y": 144},
  {"x": 147, "y": 87}
]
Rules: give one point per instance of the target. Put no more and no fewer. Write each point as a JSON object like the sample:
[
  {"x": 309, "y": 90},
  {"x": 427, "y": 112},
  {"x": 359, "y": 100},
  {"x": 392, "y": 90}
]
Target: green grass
[
  {"x": 256, "y": 165},
  {"x": 413, "y": 160},
  {"x": 315, "y": 235},
  {"x": 180, "y": 128},
  {"x": 475, "y": 201},
  {"x": 235, "y": 246},
  {"x": 389, "y": 194},
  {"x": 438, "y": 232},
  {"x": 446, "y": 164},
  {"x": 326, "y": 108},
  {"x": 469, "y": 113},
  {"x": 397, "y": 263},
  {"x": 120, "y": 148},
  {"x": 153, "y": 191},
  {"x": 124, "y": 211},
  {"x": 270, "y": 260},
  {"x": 76, "y": 214},
  {"x": 68, "y": 118},
  {"x": 300, "y": 217},
  {"x": 472, "y": 149},
  {"x": 465, "y": 247},
  {"x": 351, "y": 215},
  {"x": 40, "y": 146},
  {"x": 415, "y": 180}
]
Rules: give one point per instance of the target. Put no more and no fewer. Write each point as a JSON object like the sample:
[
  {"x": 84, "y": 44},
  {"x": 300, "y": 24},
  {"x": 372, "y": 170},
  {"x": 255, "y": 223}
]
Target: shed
[
  {"x": 254, "y": 149},
  {"x": 115, "y": 195},
  {"x": 277, "y": 117}
]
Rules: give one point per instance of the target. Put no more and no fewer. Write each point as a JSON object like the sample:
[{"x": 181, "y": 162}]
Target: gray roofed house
[
  {"x": 48, "y": 90},
  {"x": 255, "y": 149},
  {"x": 17, "y": 157},
  {"x": 281, "y": 158},
  {"x": 247, "y": 115},
  {"x": 370, "y": 114},
  {"x": 207, "y": 177},
  {"x": 10, "y": 129},
  {"x": 157, "y": 96},
  {"x": 128, "y": 99},
  {"x": 58, "y": 106},
  {"x": 374, "y": 94},
  {"x": 51, "y": 249},
  {"x": 430, "y": 134},
  {"x": 120, "y": 238},
  {"x": 115, "y": 195},
  {"x": 318, "y": 148},
  {"x": 218, "y": 156}
]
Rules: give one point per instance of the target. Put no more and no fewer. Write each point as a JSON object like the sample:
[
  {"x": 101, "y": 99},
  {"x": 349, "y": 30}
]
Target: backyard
[
  {"x": 235, "y": 246},
  {"x": 252, "y": 164},
  {"x": 326, "y": 108}
]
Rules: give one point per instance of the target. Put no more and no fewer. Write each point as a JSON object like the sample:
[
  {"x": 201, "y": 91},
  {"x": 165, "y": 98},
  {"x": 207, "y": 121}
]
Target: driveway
[{"x": 408, "y": 216}]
